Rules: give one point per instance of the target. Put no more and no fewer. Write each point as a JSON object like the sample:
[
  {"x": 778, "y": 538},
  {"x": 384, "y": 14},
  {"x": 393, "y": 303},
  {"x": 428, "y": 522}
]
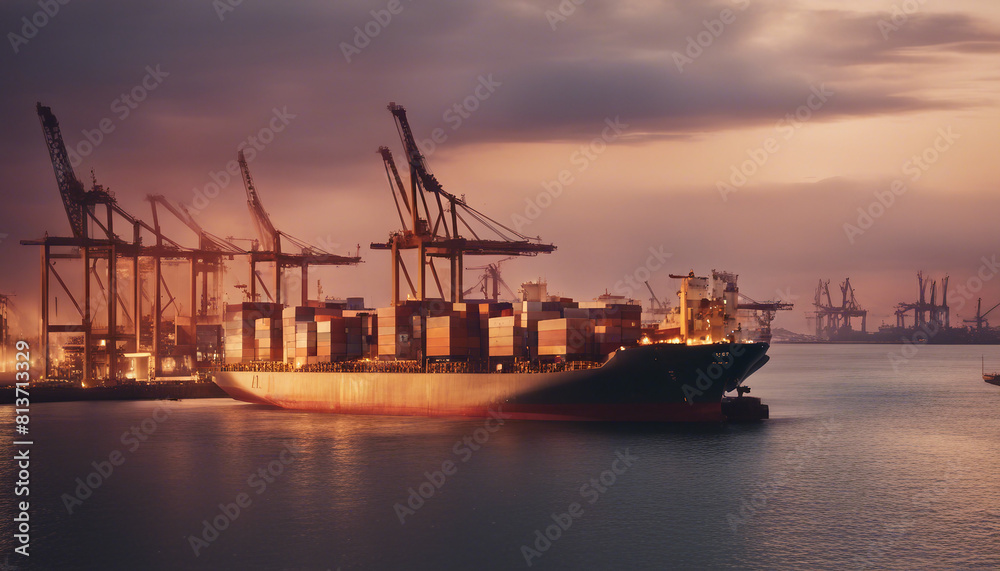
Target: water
[{"x": 859, "y": 467}]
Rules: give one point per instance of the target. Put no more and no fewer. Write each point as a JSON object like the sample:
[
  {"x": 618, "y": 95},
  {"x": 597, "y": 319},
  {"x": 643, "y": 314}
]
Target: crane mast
[
  {"x": 395, "y": 183},
  {"x": 100, "y": 238},
  {"x": 269, "y": 239},
  {"x": 833, "y": 320},
  {"x": 438, "y": 233},
  {"x": 270, "y": 246},
  {"x": 70, "y": 187}
]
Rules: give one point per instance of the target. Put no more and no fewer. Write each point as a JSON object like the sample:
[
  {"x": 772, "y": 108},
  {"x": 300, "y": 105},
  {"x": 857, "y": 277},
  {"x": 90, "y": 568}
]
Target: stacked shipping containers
[
  {"x": 395, "y": 332},
  {"x": 368, "y": 332},
  {"x": 240, "y": 329},
  {"x": 306, "y": 335},
  {"x": 448, "y": 336},
  {"x": 267, "y": 339},
  {"x": 329, "y": 338},
  {"x": 337, "y": 337},
  {"x": 569, "y": 337},
  {"x": 506, "y": 337},
  {"x": 440, "y": 329},
  {"x": 614, "y": 324},
  {"x": 529, "y": 313},
  {"x": 588, "y": 330},
  {"x": 631, "y": 323},
  {"x": 299, "y": 326}
]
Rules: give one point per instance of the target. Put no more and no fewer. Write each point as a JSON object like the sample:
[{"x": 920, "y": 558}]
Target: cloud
[{"x": 607, "y": 58}]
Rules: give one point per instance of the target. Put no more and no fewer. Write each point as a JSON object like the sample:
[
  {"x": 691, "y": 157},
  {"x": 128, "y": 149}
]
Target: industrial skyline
[{"x": 731, "y": 135}]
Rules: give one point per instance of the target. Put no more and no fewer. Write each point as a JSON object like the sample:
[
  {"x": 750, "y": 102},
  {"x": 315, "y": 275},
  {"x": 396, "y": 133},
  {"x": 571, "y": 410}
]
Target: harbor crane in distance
[
  {"x": 270, "y": 246},
  {"x": 764, "y": 312},
  {"x": 656, "y": 307},
  {"x": 435, "y": 230},
  {"x": 491, "y": 275},
  {"x": 830, "y": 318},
  {"x": 980, "y": 319},
  {"x": 925, "y": 311}
]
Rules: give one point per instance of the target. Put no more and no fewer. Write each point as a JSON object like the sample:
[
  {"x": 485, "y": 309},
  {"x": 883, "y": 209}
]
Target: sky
[{"x": 785, "y": 141}]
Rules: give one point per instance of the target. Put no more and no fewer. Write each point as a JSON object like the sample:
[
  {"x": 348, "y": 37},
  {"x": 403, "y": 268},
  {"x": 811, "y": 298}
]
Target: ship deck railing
[{"x": 402, "y": 366}]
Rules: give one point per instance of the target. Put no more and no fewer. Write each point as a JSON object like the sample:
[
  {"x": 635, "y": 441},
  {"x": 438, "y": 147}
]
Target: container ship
[
  {"x": 538, "y": 360},
  {"x": 436, "y": 353},
  {"x": 431, "y": 351}
]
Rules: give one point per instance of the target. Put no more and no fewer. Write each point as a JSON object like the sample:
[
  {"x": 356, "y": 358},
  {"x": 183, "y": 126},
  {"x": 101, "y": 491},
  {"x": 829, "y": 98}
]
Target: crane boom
[
  {"x": 206, "y": 240},
  {"x": 262, "y": 222},
  {"x": 990, "y": 310},
  {"x": 421, "y": 178},
  {"x": 70, "y": 187},
  {"x": 437, "y": 233},
  {"x": 393, "y": 173},
  {"x": 78, "y": 201},
  {"x": 413, "y": 154},
  {"x": 654, "y": 301}
]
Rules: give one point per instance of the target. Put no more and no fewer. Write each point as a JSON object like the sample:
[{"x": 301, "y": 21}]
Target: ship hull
[{"x": 661, "y": 383}]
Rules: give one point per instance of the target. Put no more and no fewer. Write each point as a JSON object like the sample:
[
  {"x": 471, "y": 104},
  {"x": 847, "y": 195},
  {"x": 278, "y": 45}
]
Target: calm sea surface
[{"x": 859, "y": 467}]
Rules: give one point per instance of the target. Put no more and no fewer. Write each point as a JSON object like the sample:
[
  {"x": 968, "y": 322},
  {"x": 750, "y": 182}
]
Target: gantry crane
[
  {"x": 212, "y": 266},
  {"x": 491, "y": 276},
  {"x": 270, "y": 240},
  {"x": 924, "y": 311},
  {"x": 851, "y": 307},
  {"x": 830, "y": 318},
  {"x": 764, "y": 313},
  {"x": 656, "y": 307},
  {"x": 94, "y": 238},
  {"x": 980, "y": 319},
  {"x": 434, "y": 231}
]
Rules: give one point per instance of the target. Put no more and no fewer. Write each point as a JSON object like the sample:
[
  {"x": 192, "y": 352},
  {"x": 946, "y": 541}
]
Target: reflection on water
[{"x": 860, "y": 467}]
